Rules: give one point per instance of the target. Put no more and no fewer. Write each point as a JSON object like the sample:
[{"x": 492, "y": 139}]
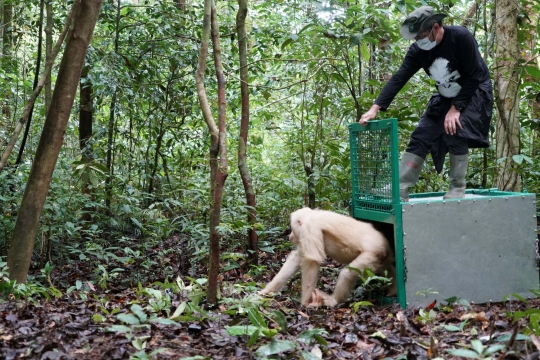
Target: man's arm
[
  {"x": 408, "y": 68},
  {"x": 369, "y": 115}
]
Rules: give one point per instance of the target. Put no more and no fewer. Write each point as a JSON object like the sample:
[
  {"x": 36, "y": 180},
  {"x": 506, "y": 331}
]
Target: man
[{"x": 458, "y": 115}]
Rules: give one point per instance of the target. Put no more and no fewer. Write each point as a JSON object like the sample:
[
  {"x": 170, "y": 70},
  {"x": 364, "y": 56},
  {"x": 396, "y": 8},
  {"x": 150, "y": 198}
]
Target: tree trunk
[
  {"x": 310, "y": 187},
  {"x": 309, "y": 198},
  {"x": 7, "y": 46},
  {"x": 471, "y": 15},
  {"x": 159, "y": 143},
  {"x": 86, "y": 115},
  {"x": 180, "y": 5},
  {"x": 532, "y": 61},
  {"x": 507, "y": 93},
  {"x": 48, "y": 53},
  {"x": 36, "y": 78},
  {"x": 244, "y": 128},
  {"x": 112, "y": 123},
  {"x": 154, "y": 181},
  {"x": 7, "y": 31},
  {"x": 86, "y": 118},
  {"x": 309, "y": 155},
  {"x": 218, "y": 136},
  {"x": 222, "y": 166},
  {"x": 51, "y": 140}
]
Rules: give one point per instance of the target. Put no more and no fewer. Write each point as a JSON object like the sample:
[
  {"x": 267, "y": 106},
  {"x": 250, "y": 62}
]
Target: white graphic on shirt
[{"x": 446, "y": 80}]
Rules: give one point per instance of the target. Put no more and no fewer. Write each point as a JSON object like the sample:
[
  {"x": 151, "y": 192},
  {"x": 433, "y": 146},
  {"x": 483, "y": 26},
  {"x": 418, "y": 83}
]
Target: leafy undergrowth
[{"x": 93, "y": 315}]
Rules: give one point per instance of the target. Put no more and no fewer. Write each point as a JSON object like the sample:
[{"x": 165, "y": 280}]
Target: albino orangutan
[{"x": 317, "y": 234}]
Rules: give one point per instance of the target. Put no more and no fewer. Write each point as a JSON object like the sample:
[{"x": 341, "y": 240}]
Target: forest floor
[{"x": 111, "y": 318}]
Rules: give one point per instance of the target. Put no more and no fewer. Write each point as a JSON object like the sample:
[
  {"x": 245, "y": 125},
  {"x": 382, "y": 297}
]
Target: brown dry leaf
[
  {"x": 24, "y": 326},
  {"x": 363, "y": 345},
  {"x": 483, "y": 320},
  {"x": 467, "y": 316},
  {"x": 154, "y": 341},
  {"x": 481, "y": 316},
  {"x": 401, "y": 317},
  {"x": 476, "y": 317}
]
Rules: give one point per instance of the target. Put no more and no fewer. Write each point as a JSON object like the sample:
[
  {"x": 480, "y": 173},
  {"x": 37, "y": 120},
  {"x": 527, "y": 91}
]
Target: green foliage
[
  {"x": 530, "y": 318},
  {"x": 313, "y": 335},
  {"x": 358, "y": 304},
  {"x": 243, "y": 304},
  {"x": 195, "y": 291},
  {"x": 5, "y": 284},
  {"x": 136, "y": 319},
  {"x": 263, "y": 324},
  {"x": 11, "y": 185},
  {"x": 153, "y": 305},
  {"x": 275, "y": 347},
  {"x": 426, "y": 317},
  {"x": 31, "y": 291},
  {"x": 257, "y": 328},
  {"x": 518, "y": 297},
  {"x": 452, "y": 328},
  {"x": 372, "y": 287},
  {"x": 479, "y": 351},
  {"x": 248, "y": 305}
]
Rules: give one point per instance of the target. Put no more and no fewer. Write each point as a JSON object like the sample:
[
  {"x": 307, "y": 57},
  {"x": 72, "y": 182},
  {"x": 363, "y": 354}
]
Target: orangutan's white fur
[{"x": 317, "y": 234}]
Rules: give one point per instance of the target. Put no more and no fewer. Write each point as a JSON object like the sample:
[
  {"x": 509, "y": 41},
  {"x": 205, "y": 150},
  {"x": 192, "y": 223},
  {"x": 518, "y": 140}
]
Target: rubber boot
[
  {"x": 458, "y": 170},
  {"x": 409, "y": 172}
]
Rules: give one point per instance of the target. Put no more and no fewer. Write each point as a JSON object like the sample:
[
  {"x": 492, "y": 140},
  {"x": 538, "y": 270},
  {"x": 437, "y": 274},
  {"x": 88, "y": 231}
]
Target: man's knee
[
  {"x": 418, "y": 148},
  {"x": 456, "y": 144}
]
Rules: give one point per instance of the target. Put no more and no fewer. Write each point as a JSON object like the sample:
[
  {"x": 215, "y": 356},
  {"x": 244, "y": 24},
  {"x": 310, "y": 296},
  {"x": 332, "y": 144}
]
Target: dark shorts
[{"x": 430, "y": 137}]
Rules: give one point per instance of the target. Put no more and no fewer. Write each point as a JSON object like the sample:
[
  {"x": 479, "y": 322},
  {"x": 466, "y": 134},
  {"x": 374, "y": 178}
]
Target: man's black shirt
[{"x": 455, "y": 64}]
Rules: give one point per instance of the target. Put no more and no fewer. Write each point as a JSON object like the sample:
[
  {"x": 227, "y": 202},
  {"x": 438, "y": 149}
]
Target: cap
[{"x": 414, "y": 23}]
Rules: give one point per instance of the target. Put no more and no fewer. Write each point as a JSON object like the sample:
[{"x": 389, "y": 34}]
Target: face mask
[{"x": 425, "y": 44}]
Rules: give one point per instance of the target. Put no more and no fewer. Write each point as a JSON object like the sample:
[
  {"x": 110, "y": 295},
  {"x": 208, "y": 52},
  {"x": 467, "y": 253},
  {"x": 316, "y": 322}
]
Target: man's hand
[
  {"x": 451, "y": 120},
  {"x": 370, "y": 114}
]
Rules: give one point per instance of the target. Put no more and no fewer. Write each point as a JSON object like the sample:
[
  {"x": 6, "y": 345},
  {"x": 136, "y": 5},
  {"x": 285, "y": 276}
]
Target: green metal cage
[
  {"x": 374, "y": 166},
  {"x": 375, "y": 185},
  {"x": 428, "y": 222}
]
